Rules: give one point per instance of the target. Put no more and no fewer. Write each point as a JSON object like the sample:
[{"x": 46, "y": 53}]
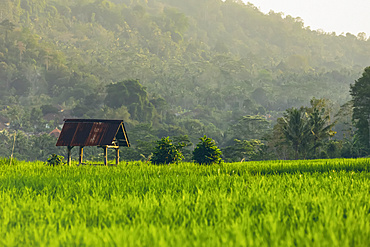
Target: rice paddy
[{"x": 272, "y": 203}]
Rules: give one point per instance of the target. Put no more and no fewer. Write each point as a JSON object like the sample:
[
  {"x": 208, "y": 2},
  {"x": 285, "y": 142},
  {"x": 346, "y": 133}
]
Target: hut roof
[
  {"x": 93, "y": 132},
  {"x": 56, "y": 132}
]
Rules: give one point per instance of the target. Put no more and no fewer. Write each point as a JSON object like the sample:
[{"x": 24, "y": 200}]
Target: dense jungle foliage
[{"x": 176, "y": 68}]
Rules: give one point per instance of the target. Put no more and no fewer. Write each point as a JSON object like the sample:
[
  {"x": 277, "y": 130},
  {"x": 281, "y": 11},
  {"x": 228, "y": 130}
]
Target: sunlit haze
[{"x": 340, "y": 16}]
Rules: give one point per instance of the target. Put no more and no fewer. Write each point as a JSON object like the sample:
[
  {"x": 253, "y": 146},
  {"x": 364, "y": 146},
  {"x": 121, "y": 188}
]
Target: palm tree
[
  {"x": 296, "y": 130},
  {"x": 320, "y": 127}
]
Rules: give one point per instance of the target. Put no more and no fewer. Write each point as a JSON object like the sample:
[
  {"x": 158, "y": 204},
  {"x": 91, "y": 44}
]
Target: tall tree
[
  {"x": 360, "y": 92},
  {"x": 320, "y": 128},
  {"x": 296, "y": 130},
  {"x": 132, "y": 94}
]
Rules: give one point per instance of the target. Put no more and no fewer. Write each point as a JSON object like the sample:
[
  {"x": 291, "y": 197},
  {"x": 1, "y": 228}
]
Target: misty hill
[{"x": 214, "y": 60}]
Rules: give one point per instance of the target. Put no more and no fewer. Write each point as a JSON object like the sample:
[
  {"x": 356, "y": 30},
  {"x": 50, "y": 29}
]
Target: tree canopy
[
  {"x": 360, "y": 92},
  {"x": 190, "y": 68}
]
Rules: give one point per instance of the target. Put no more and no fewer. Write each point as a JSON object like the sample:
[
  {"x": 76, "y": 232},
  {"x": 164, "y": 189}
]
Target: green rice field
[{"x": 272, "y": 203}]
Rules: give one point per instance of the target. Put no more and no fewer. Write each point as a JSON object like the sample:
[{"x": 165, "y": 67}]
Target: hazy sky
[{"x": 329, "y": 15}]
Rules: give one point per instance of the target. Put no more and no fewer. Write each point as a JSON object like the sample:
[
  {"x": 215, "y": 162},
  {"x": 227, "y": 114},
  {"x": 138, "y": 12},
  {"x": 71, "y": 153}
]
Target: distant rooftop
[{"x": 56, "y": 132}]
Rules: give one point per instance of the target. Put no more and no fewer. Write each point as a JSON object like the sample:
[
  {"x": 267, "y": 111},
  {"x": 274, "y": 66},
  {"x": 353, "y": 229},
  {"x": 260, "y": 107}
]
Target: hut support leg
[
  {"x": 105, "y": 156},
  {"x": 81, "y": 155},
  {"x": 117, "y": 156},
  {"x": 69, "y": 157}
]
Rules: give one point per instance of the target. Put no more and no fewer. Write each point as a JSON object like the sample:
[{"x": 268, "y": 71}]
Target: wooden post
[
  {"x": 105, "y": 155},
  {"x": 69, "y": 157},
  {"x": 117, "y": 156},
  {"x": 81, "y": 155}
]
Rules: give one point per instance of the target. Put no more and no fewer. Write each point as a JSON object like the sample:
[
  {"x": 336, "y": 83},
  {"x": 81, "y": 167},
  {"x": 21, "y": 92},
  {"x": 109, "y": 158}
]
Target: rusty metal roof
[{"x": 93, "y": 132}]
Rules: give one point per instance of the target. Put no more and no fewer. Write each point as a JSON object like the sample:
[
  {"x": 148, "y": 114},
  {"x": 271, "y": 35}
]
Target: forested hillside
[{"x": 167, "y": 67}]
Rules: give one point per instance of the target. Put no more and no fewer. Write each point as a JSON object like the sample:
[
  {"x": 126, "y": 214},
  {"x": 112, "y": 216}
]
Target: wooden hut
[{"x": 93, "y": 132}]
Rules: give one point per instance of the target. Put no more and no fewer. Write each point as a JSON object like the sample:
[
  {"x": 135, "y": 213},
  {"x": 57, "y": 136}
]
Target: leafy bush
[
  {"x": 166, "y": 152},
  {"x": 207, "y": 152},
  {"x": 55, "y": 160}
]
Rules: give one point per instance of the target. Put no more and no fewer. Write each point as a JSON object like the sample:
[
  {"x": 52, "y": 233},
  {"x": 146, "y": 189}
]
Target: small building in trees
[
  {"x": 55, "y": 133},
  {"x": 93, "y": 132}
]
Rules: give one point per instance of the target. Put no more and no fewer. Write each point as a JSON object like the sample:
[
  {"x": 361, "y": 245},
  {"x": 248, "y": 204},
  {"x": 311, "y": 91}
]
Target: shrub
[
  {"x": 166, "y": 152},
  {"x": 207, "y": 152},
  {"x": 55, "y": 160}
]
